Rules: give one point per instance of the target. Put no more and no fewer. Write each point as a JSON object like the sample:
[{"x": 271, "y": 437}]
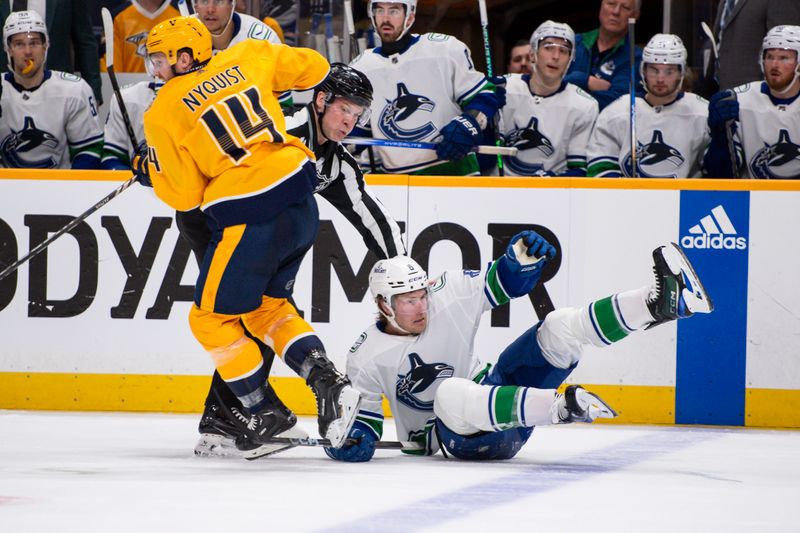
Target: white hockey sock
[
  {"x": 565, "y": 331},
  {"x": 467, "y": 407}
]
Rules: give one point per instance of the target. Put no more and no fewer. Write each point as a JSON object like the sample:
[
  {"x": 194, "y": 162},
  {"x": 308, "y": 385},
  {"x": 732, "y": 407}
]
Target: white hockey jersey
[
  {"x": 670, "y": 139},
  {"x": 768, "y": 133},
  {"x": 116, "y": 143},
  {"x": 51, "y": 125},
  {"x": 247, "y": 27},
  {"x": 409, "y": 369},
  {"x": 550, "y": 132},
  {"x": 416, "y": 93}
]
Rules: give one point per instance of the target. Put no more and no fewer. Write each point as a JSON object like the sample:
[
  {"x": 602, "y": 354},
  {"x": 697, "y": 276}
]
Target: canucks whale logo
[
  {"x": 19, "y": 144},
  {"x": 405, "y": 106},
  {"x": 657, "y": 159},
  {"x": 780, "y": 160},
  {"x": 529, "y": 138},
  {"x": 417, "y": 380}
]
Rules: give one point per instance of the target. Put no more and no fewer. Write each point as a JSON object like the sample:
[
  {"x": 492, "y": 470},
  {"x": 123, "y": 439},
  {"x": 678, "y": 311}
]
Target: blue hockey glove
[
  {"x": 140, "y": 166},
  {"x": 722, "y": 108},
  {"x": 355, "y": 453},
  {"x": 525, "y": 258},
  {"x": 499, "y": 90},
  {"x": 458, "y": 137}
]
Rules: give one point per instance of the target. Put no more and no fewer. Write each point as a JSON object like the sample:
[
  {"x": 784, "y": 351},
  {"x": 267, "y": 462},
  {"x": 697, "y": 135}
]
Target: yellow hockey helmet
[{"x": 177, "y": 33}]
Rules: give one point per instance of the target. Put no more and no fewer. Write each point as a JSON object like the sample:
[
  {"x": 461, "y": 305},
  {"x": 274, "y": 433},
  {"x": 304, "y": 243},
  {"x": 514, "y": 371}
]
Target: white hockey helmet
[
  {"x": 664, "y": 49},
  {"x": 411, "y": 8},
  {"x": 397, "y": 275},
  {"x": 558, "y": 30},
  {"x": 782, "y": 38},
  {"x": 23, "y": 22}
]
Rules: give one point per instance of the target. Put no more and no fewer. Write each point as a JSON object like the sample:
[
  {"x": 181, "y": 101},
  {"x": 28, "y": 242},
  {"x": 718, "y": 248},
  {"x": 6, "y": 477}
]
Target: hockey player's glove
[
  {"x": 722, "y": 109},
  {"x": 458, "y": 137},
  {"x": 140, "y": 166},
  {"x": 525, "y": 258},
  {"x": 499, "y": 90},
  {"x": 360, "y": 452}
]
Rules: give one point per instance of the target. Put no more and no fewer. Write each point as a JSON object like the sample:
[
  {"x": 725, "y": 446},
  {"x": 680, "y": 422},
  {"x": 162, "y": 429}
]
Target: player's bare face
[
  {"x": 27, "y": 53},
  {"x": 340, "y": 118},
  {"x": 520, "y": 60},
  {"x": 779, "y": 68},
  {"x": 614, "y": 15},
  {"x": 388, "y": 19},
  {"x": 411, "y": 311},
  {"x": 552, "y": 60},
  {"x": 215, "y": 14},
  {"x": 662, "y": 80}
]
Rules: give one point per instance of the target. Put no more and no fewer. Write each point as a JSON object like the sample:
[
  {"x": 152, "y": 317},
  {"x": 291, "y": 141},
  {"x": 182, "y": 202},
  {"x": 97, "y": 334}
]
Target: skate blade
[
  {"x": 211, "y": 445},
  {"x": 349, "y": 401},
  {"x": 597, "y": 407},
  {"x": 694, "y": 295},
  {"x": 266, "y": 450}
]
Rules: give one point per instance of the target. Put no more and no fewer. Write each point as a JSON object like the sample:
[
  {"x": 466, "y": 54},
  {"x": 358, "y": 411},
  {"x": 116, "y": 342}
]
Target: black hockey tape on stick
[
  {"x": 326, "y": 443},
  {"x": 632, "y": 89},
  {"x": 38, "y": 249},
  {"x": 108, "y": 30}
]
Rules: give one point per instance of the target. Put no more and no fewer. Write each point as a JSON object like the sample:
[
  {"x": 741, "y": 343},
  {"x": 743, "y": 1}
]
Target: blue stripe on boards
[{"x": 711, "y": 351}]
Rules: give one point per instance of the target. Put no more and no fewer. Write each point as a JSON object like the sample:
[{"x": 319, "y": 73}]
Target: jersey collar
[
  {"x": 675, "y": 101},
  {"x": 397, "y": 47},
  {"x": 527, "y": 79},
  {"x": 10, "y": 79},
  {"x": 777, "y": 101}
]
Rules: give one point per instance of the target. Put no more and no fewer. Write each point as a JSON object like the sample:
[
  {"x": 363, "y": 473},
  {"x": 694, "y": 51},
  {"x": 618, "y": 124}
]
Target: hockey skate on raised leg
[
  {"x": 678, "y": 292},
  {"x": 337, "y": 400},
  {"x": 579, "y": 405}
]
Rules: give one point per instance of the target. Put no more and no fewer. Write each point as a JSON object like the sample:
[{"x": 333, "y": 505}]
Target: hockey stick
[
  {"x": 632, "y": 87},
  {"x": 350, "y": 31},
  {"x": 183, "y": 8},
  {"x": 728, "y": 124},
  {"x": 481, "y": 149},
  {"x": 487, "y": 50},
  {"x": 38, "y": 249},
  {"x": 108, "y": 30},
  {"x": 326, "y": 443}
]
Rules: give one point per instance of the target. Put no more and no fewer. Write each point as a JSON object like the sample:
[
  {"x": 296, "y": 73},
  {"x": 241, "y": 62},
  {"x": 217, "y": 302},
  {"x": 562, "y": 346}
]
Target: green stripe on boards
[
  {"x": 505, "y": 407},
  {"x": 494, "y": 286},
  {"x": 607, "y": 320}
]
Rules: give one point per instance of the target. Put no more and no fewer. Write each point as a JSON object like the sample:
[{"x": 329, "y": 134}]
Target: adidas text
[{"x": 714, "y": 242}]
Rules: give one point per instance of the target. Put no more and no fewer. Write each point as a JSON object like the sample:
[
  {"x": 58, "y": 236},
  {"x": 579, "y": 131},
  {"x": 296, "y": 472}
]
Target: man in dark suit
[
  {"x": 73, "y": 47},
  {"x": 739, "y": 27}
]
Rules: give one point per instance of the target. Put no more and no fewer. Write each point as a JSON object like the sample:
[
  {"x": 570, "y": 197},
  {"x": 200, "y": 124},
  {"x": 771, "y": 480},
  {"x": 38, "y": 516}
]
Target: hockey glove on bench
[{"x": 458, "y": 137}]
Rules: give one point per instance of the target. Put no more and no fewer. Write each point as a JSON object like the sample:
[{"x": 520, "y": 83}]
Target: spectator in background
[
  {"x": 549, "y": 121},
  {"x": 72, "y": 44},
  {"x": 49, "y": 117},
  {"x": 602, "y": 65},
  {"x": 519, "y": 60},
  {"x": 132, "y": 23},
  {"x": 739, "y": 27},
  {"x": 671, "y": 133},
  {"x": 285, "y": 13},
  {"x": 760, "y": 121}
]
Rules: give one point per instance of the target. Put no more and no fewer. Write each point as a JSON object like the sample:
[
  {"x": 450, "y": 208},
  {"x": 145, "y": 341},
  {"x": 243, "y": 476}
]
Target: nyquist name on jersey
[{"x": 223, "y": 80}]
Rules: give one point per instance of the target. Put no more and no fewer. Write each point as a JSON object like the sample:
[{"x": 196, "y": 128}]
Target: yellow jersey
[
  {"x": 217, "y": 137},
  {"x": 131, "y": 26}
]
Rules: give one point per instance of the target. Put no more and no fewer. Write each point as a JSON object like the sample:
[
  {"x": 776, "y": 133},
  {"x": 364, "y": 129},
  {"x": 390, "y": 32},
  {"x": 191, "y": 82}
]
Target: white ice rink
[{"x": 87, "y": 472}]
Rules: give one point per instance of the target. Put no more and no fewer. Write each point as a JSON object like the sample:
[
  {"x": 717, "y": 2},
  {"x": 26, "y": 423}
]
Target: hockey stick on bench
[{"x": 481, "y": 149}]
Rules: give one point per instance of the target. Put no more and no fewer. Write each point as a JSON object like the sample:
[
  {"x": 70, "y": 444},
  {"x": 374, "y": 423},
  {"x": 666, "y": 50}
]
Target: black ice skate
[
  {"x": 678, "y": 292},
  {"x": 579, "y": 405},
  {"x": 337, "y": 402}
]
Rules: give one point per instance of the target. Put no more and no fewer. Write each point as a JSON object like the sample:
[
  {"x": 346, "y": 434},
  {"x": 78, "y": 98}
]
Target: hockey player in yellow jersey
[{"x": 217, "y": 140}]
